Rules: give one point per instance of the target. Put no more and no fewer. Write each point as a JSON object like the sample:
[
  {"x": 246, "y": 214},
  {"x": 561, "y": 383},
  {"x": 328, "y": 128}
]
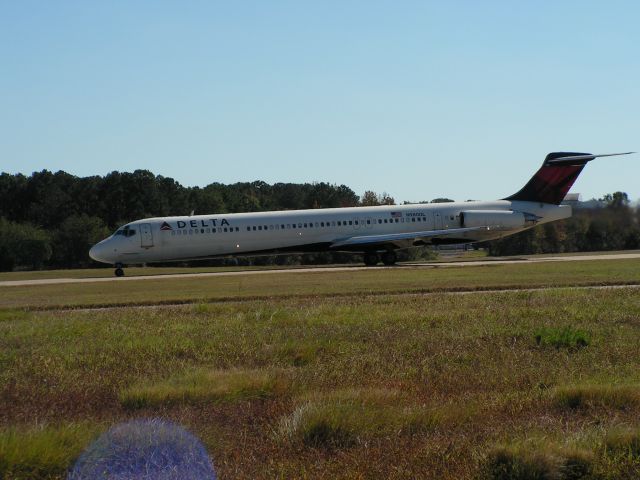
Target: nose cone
[{"x": 99, "y": 252}]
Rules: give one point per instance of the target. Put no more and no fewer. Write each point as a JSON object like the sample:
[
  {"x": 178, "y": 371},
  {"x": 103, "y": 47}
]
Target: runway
[{"x": 453, "y": 264}]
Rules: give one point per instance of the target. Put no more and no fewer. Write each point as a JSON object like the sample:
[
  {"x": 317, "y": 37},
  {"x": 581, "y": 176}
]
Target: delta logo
[{"x": 196, "y": 224}]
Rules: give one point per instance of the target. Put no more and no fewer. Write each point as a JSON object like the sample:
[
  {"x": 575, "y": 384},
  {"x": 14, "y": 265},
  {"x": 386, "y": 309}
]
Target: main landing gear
[
  {"x": 371, "y": 259},
  {"x": 388, "y": 258},
  {"x": 119, "y": 271}
]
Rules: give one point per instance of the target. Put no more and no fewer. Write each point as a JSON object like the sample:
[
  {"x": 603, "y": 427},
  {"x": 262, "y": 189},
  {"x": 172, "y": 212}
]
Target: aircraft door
[
  {"x": 146, "y": 237},
  {"x": 437, "y": 221}
]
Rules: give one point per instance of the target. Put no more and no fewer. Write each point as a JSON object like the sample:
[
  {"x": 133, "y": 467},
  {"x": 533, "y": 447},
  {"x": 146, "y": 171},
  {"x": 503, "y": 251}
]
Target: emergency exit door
[{"x": 146, "y": 237}]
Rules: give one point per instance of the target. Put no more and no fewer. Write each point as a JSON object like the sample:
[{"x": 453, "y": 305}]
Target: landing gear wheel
[
  {"x": 370, "y": 259},
  {"x": 389, "y": 258},
  {"x": 119, "y": 272}
]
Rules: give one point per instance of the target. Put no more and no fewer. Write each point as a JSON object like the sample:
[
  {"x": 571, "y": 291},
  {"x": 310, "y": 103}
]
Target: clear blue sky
[{"x": 419, "y": 99}]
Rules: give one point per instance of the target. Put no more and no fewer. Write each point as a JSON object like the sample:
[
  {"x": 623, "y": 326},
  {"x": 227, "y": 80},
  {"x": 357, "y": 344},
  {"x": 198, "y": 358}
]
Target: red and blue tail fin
[{"x": 559, "y": 171}]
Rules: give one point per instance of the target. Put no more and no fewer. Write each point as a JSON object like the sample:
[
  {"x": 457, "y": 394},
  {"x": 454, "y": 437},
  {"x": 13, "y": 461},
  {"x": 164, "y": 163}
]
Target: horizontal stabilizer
[{"x": 575, "y": 159}]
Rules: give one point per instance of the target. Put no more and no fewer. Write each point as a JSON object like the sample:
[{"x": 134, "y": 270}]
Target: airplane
[{"x": 375, "y": 232}]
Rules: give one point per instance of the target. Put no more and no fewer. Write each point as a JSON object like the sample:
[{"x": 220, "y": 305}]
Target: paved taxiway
[{"x": 572, "y": 258}]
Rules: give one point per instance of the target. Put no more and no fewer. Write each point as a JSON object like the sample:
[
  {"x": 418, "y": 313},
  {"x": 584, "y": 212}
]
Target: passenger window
[
  {"x": 350, "y": 222},
  {"x": 379, "y": 221},
  {"x": 368, "y": 222},
  {"x": 259, "y": 227},
  {"x": 282, "y": 226},
  {"x": 385, "y": 220},
  {"x": 413, "y": 219}
]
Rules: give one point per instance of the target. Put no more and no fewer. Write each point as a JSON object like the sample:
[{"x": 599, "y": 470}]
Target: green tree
[
  {"x": 23, "y": 245},
  {"x": 75, "y": 237},
  {"x": 371, "y": 198}
]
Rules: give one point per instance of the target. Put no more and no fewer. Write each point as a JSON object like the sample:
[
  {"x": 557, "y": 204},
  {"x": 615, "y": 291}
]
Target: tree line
[
  {"x": 610, "y": 223},
  {"x": 50, "y": 220}
]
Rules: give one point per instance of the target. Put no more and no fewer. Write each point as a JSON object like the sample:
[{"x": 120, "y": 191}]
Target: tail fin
[{"x": 559, "y": 171}]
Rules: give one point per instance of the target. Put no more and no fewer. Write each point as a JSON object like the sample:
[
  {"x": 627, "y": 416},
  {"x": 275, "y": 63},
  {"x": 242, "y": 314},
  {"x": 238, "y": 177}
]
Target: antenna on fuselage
[{"x": 192, "y": 212}]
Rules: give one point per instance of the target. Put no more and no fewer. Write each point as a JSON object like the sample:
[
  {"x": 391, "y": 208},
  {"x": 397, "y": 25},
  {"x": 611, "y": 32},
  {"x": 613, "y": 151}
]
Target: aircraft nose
[{"x": 99, "y": 252}]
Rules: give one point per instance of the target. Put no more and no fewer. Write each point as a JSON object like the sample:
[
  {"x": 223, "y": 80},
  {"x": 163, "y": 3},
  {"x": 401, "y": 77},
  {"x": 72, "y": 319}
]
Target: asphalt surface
[{"x": 573, "y": 258}]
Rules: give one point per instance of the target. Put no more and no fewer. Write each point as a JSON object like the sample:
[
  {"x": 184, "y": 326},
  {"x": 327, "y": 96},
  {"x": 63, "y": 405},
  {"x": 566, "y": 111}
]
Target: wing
[{"x": 401, "y": 240}]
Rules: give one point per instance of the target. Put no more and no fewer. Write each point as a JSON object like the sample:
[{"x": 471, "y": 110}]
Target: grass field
[
  {"x": 337, "y": 375},
  {"x": 107, "y": 271},
  {"x": 325, "y": 283}
]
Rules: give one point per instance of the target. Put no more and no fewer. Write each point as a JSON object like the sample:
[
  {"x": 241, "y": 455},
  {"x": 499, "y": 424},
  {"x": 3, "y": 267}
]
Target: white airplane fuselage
[
  {"x": 355, "y": 229},
  {"x": 377, "y": 232}
]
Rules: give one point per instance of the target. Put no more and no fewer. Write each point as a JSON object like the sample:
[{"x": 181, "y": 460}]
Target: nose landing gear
[{"x": 119, "y": 271}]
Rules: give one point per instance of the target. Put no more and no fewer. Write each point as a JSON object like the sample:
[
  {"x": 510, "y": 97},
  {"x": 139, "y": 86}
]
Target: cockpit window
[{"x": 126, "y": 231}]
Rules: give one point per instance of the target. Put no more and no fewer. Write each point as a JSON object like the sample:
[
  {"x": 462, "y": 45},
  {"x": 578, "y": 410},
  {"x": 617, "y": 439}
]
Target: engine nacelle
[{"x": 506, "y": 219}]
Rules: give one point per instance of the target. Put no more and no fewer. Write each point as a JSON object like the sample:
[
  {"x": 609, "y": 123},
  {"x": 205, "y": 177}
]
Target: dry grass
[
  {"x": 624, "y": 442},
  {"x": 622, "y": 397},
  {"x": 346, "y": 417},
  {"x": 384, "y": 386},
  {"x": 206, "y": 386},
  {"x": 43, "y": 451},
  {"x": 538, "y": 462}
]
